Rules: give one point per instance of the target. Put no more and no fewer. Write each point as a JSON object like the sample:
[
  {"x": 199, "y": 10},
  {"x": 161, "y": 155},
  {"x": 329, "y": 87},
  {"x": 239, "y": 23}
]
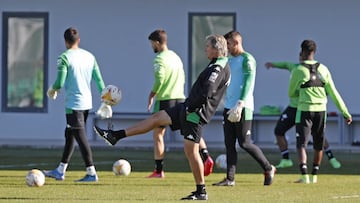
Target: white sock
[
  {"x": 62, "y": 167},
  {"x": 91, "y": 170}
]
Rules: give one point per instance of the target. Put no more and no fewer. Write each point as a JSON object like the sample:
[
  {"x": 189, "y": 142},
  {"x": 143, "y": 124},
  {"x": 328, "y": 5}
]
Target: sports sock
[
  {"x": 230, "y": 174},
  {"x": 200, "y": 189},
  {"x": 315, "y": 169},
  {"x": 303, "y": 168},
  {"x": 204, "y": 153},
  {"x": 329, "y": 153},
  {"x": 119, "y": 134},
  {"x": 62, "y": 167},
  {"x": 90, "y": 170},
  {"x": 285, "y": 154},
  {"x": 159, "y": 165}
]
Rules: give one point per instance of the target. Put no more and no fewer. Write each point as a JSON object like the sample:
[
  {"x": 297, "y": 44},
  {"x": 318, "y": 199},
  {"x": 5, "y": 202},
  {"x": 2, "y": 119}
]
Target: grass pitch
[{"x": 334, "y": 185}]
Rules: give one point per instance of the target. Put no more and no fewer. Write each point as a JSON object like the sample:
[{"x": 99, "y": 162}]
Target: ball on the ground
[
  {"x": 111, "y": 95},
  {"x": 35, "y": 178},
  {"x": 221, "y": 161},
  {"x": 121, "y": 167}
]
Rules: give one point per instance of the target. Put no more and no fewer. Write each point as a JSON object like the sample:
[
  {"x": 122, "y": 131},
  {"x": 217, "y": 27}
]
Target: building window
[
  {"x": 200, "y": 26},
  {"x": 24, "y": 61}
]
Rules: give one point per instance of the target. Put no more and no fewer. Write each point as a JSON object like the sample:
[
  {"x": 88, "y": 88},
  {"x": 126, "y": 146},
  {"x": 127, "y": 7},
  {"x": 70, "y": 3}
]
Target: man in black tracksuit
[{"x": 190, "y": 116}]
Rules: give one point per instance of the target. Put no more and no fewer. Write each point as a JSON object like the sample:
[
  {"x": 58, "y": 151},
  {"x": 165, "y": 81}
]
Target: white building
[{"x": 116, "y": 32}]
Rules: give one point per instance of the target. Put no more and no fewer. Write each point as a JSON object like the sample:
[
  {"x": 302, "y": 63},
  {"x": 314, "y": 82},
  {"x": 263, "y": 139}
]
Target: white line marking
[{"x": 346, "y": 196}]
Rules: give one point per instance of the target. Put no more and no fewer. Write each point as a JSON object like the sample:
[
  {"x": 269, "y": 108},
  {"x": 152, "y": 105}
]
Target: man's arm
[
  {"x": 159, "y": 75},
  {"x": 96, "y": 74},
  {"x": 61, "y": 73},
  {"x": 249, "y": 71},
  {"x": 281, "y": 65},
  {"x": 294, "y": 83},
  {"x": 335, "y": 97}
]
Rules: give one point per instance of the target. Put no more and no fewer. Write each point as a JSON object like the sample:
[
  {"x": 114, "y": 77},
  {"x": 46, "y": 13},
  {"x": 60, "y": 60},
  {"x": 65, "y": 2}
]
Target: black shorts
[
  {"x": 165, "y": 104},
  {"x": 310, "y": 123},
  {"x": 286, "y": 121},
  {"x": 190, "y": 131},
  {"x": 238, "y": 130},
  {"x": 76, "y": 119}
]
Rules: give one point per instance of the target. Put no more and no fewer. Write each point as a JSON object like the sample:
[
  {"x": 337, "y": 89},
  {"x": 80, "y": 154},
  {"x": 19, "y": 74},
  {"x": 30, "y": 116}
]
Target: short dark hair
[
  {"x": 308, "y": 46},
  {"x": 71, "y": 35},
  {"x": 232, "y": 34},
  {"x": 158, "y": 35}
]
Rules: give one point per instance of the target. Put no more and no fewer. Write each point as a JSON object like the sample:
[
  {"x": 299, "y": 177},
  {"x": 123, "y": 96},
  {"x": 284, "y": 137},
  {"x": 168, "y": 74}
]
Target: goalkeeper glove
[
  {"x": 52, "y": 93},
  {"x": 105, "y": 111},
  {"x": 234, "y": 114}
]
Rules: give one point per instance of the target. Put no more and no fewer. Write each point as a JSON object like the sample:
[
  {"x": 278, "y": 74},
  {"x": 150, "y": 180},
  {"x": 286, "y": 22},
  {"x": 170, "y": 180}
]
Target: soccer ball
[
  {"x": 35, "y": 178},
  {"x": 221, "y": 161},
  {"x": 121, "y": 167},
  {"x": 111, "y": 95}
]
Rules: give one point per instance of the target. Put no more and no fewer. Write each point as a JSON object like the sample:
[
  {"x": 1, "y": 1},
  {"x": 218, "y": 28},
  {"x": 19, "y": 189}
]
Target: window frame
[
  {"x": 193, "y": 74},
  {"x": 6, "y": 16},
  {"x": 192, "y": 77}
]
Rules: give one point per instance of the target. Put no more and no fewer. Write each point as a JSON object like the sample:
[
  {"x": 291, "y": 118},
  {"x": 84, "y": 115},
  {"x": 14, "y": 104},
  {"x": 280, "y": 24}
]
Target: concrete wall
[{"x": 116, "y": 32}]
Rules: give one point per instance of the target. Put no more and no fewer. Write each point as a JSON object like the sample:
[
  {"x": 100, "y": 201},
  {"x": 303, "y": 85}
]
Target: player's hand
[
  {"x": 150, "y": 103},
  {"x": 268, "y": 65},
  {"x": 234, "y": 114},
  {"x": 105, "y": 111},
  {"x": 349, "y": 120},
  {"x": 52, "y": 93},
  {"x": 151, "y": 100}
]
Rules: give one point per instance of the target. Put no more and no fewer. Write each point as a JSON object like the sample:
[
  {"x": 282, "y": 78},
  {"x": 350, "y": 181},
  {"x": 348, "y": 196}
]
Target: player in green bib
[
  {"x": 311, "y": 82},
  {"x": 287, "y": 120},
  {"x": 168, "y": 91}
]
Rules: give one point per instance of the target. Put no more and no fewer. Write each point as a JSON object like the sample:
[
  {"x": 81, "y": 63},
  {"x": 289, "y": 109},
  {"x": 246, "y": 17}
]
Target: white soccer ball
[
  {"x": 121, "y": 167},
  {"x": 221, "y": 161},
  {"x": 111, "y": 95},
  {"x": 35, "y": 178}
]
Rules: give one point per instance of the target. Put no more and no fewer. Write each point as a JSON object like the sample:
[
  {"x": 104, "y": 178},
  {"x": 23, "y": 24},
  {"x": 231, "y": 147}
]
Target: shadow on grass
[{"x": 175, "y": 160}]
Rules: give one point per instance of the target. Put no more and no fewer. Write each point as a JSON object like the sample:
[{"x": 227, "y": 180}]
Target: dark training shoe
[
  {"x": 196, "y": 196},
  {"x": 106, "y": 135},
  {"x": 225, "y": 182}
]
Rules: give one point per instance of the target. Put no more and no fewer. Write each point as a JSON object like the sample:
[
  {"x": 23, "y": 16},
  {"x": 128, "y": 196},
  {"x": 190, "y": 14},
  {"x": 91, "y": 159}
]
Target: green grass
[{"x": 334, "y": 185}]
